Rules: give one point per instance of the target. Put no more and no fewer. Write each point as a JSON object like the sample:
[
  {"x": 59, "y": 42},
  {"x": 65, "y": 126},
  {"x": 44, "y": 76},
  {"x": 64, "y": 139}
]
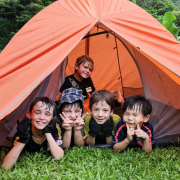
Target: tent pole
[
  {"x": 116, "y": 47},
  {"x": 87, "y": 45}
]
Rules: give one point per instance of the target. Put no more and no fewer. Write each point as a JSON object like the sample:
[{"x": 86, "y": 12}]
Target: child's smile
[
  {"x": 72, "y": 111},
  {"x": 41, "y": 115},
  {"x": 101, "y": 112},
  {"x": 83, "y": 71},
  {"x": 133, "y": 117}
]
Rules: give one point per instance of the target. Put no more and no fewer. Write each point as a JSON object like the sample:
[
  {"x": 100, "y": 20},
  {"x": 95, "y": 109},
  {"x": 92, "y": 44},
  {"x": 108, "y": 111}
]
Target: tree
[{"x": 15, "y": 13}]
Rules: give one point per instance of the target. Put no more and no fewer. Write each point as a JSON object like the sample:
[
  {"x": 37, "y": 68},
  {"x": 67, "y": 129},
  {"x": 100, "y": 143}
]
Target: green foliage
[
  {"x": 93, "y": 163},
  {"x": 177, "y": 14},
  {"x": 167, "y": 22},
  {"x": 14, "y": 14},
  {"x": 165, "y": 12}
]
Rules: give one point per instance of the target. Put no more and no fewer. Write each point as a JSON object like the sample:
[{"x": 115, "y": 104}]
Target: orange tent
[{"x": 132, "y": 52}]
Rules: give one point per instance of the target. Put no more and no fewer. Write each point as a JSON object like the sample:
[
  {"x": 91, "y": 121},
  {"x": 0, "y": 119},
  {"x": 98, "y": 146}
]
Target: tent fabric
[
  {"x": 47, "y": 88},
  {"x": 131, "y": 50}
]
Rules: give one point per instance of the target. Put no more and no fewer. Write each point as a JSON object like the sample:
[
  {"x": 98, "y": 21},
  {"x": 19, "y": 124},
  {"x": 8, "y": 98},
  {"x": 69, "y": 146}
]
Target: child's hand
[
  {"x": 107, "y": 127},
  {"x": 50, "y": 127},
  {"x": 22, "y": 129},
  {"x": 79, "y": 122},
  {"x": 117, "y": 95},
  {"x": 140, "y": 133},
  {"x": 67, "y": 123},
  {"x": 130, "y": 133},
  {"x": 94, "y": 128}
]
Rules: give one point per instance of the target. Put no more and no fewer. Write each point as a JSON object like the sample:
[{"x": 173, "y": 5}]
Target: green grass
[{"x": 93, "y": 163}]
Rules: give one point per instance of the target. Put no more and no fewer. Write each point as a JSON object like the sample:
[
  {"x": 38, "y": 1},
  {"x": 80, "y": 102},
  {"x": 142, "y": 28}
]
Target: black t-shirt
[
  {"x": 34, "y": 146},
  {"x": 86, "y": 86}
]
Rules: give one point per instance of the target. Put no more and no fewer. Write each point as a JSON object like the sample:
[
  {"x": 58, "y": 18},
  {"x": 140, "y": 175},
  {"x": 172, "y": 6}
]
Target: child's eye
[
  {"x": 105, "y": 110},
  {"x": 47, "y": 114},
  {"x": 95, "y": 109},
  {"x": 37, "y": 112},
  {"x": 77, "y": 111},
  {"x": 66, "y": 111}
]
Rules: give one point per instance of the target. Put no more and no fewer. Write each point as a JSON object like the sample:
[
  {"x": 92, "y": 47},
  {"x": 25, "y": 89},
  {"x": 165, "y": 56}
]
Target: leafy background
[{"x": 15, "y": 13}]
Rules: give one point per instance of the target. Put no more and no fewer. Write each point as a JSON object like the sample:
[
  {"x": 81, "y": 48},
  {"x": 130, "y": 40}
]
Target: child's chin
[
  {"x": 132, "y": 126},
  {"x": 40, "y": 127},
  {"x": 100, "y": 122}
]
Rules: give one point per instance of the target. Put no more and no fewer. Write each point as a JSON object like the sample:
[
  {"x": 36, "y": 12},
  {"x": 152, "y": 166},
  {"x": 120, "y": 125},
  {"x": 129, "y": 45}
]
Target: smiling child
[
  {"x": 38, "y": 130},
  {"x": 134, "y": 129},
  {"x": 70, "y": 110},
  {"x": 101, "y": 122}
]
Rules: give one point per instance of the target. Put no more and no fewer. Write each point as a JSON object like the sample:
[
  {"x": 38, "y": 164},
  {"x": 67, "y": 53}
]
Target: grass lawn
[{"x": 94, "y": 163}]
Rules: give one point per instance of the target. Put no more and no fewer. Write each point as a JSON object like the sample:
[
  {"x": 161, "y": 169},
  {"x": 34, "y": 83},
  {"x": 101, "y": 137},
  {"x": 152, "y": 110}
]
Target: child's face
[
  {"x": 41, "y": 115},
  {"x": 101, "y": 112},
  {"x": 134, "y": 116},
  {"x": 84, "y": 70},
  {"x": 72, "y": 111}
]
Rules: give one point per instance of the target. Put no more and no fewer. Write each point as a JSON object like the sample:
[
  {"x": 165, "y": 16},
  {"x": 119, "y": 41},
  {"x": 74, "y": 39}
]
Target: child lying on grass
[
  {"x": 134, "y": 129},
  {"x": 70, "y": 110},
  {"x": 38, "y": 130},
  {"x": 101, "y": 122}
]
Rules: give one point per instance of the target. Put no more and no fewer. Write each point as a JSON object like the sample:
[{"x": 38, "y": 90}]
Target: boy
[
  {"x": 101, "y": 122},
  {"x": 81, "y": 79},
  {"x": 38, "y": 130},
  {"x": 134, "y": 128},
  {"x": 70, "y": 110}
]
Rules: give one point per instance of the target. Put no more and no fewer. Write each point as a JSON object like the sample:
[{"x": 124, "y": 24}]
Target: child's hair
[
  {"x": 84, "y": 59},
  {"x": 102, "y": 95},
  {"x": 45, "y": 101},
  {"x": 76, "y": 103},
  {"x": 138, "y": 102},
  {"x": 70, "y": 96}
]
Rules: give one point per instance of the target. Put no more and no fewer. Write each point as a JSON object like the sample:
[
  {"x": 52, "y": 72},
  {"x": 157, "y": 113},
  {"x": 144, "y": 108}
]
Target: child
[
  {"x": 38, "y": 130},
  {"x": 101, "y": 122},
  {"x": 134, "y": 128},
  {"x": 81, "y": 79},
  {"x": 70, "y": 110}
]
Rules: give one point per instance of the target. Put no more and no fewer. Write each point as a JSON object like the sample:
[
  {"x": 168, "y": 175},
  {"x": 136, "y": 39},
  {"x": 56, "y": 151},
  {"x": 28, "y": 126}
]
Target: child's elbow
[
  {"x": 59, "y": 156},
  {"x": 115, "y": 149},
  {"x": 148, "y": 150}
]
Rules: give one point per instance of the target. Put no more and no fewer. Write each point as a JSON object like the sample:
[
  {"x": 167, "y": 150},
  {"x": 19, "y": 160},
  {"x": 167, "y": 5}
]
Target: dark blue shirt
[{"x": 120, "y": 133}]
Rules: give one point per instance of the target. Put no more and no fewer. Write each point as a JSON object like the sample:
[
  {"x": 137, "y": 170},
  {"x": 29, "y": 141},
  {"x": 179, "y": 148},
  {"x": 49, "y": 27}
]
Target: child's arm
[
  {"x": 90, "y": 140},
  {"x": 118, "y": 96},
  {"x": 67, "y": 125},
  {"x": 78, "y": 138},
  {"x": 109, "y": 140},
  {"x": 13, "y": 155},
  {"x": 146, "y": 142},
  {"x": 107, "y": 128},
  {"x": 56, "y": 151},
  {"x": 78, "y": 125},
  {"x": 123, "y": 144},
  {"x": 94, "y": 128},
  {"x": 24, "y": 136}
]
